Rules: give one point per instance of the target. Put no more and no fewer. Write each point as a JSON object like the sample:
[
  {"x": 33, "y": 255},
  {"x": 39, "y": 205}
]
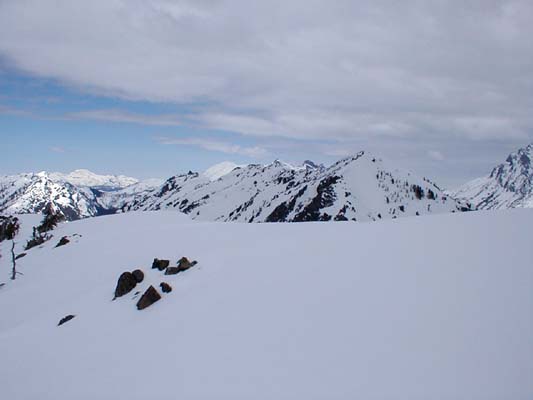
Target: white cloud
[
  {"x": 299, "y": 68},
  {"x": 436, "y": 155},
  {"x": 4, "y": 110},
  {"x": 215, "y": 145},
  {"x": 57, "y": 149},
  {"x": 125, "y": 116}
]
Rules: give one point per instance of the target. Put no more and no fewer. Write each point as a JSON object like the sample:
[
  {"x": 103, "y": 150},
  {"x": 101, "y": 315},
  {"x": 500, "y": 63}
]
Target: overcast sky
[{"x": 444, "y": 88}]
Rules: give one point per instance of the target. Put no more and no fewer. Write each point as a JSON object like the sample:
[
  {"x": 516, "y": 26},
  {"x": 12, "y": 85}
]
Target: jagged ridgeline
[
  {"x": 509, "y": 185},
  {"x": 357, "y": 188}
]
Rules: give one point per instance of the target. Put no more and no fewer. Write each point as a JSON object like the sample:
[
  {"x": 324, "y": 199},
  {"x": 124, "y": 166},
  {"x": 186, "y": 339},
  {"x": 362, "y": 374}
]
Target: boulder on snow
[
  {"x": 183, "y": 265},
  {"x": 63, "y": 241},
  {"x": 126, "y": 283},
  {"x": 65, "y": 320},
  {"x": 172, "y": 270},
  {"x": 160, "y": 264},
  {"x": 148, "y": 298},
  {"x": 165, "y": 287},
  {"x": 139, "y": 275}
]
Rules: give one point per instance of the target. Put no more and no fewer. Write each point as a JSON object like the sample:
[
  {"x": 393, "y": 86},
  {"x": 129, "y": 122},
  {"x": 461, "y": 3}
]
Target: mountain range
[
  {"x": 359, "y": 188},
  {"x": 362, "y": 187}
]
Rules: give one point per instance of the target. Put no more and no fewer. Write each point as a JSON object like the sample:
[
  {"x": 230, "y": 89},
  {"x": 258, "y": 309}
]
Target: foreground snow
[{"x": 425, "y": 308}]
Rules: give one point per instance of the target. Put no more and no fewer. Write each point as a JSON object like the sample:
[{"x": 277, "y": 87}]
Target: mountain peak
[
  {"x": 308, "y": 164},
  {"x": 219, "y": 170},
  {"x": 509, "y": 185}
]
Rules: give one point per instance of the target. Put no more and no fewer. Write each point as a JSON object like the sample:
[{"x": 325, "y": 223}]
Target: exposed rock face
[
  {"x": 20, "y": 256},
  {"x": 148, "y": 298},
  {"x": 126, "y": 283},
  {"x": 139, "y": 275},
  {"x": 160, "y": 264},
  {"x": 66, "y": 319},
  {"x": 324, "y": 198},
  {"x": 165, "y": 287},
  {"x": 63, "y": 241}
]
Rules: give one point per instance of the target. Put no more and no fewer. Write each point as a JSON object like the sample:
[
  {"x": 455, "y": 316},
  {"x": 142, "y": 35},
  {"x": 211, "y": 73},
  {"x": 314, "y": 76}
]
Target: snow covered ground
[{"x": 437, "y": 307}]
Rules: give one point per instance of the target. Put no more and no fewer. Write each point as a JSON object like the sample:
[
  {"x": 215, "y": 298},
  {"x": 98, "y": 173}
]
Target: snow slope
[
  {"x": 509, "y": 185},
  {"x": 434, "y": 308},
  {"x": 360, "y": 188},
  {"x": 221, "y": 169}
]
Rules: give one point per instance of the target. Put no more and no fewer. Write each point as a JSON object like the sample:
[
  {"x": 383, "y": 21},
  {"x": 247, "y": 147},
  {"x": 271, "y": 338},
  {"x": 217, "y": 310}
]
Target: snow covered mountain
[
  {"x": 77, "y": 195},
  {"x": 358, "y": 188},
  {"x": 30, "y": 194},
  {"x": 86, "y": 178},
  {"x": 221, "y": 169},
  {"x": 509, "y": 185},
  {"x": 413, "y": 308}
]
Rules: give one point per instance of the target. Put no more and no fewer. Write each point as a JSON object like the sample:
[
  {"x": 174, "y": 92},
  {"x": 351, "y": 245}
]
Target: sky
[{"x": 149, "y": 88}]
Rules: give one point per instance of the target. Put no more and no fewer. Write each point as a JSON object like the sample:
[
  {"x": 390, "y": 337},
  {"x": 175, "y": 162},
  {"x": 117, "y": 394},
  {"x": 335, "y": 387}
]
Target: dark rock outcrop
[
  {"x": 126, "y": 283},
  {"x": 161, "y": 265},
  {"x": 165, "y": 287},
  {"x": 172, "y": 271},
  {"x": 66, "y": 319},
  {"x": 148, "y": 298},
  {"x": 183, "y": 265},
  {"x": 20, "y": 256},
  {"x": 139, "y": 275},
  {"x": 63, "y": 241},
  {"x": 325, "y": 197}
]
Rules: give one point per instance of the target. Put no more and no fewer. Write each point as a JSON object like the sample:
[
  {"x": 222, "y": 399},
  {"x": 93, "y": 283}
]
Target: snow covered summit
[
  {"x": 509, "y": 185},
  {"x": 86, "y": 178}
]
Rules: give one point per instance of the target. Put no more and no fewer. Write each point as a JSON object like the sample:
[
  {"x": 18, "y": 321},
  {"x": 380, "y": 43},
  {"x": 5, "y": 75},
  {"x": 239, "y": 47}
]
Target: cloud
[
  {"x": 4, "y": 110},
  {"x": 436, "y": 155},
  {"x": 215, "y": 145},
  {"x": 310, "y": 69},
  {"x": 111, "y": 115},
  {"x": 57, "y": 149}
]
